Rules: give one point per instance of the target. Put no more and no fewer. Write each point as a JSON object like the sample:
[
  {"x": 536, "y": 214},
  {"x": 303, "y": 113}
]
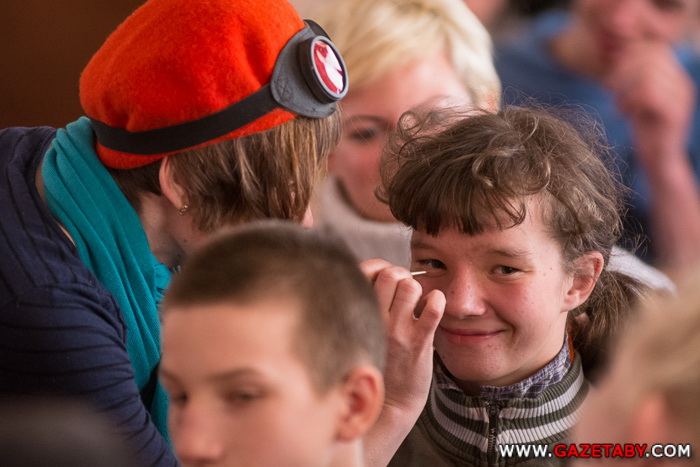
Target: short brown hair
[
  {"x": 269, "y": 174},
  {"x": 473, "y": 170},
  {"x": 340, "y": 325}
]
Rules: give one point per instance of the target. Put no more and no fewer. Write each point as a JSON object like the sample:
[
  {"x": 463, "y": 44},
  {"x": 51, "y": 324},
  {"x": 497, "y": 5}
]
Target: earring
[{"x": 184, "y": 209}]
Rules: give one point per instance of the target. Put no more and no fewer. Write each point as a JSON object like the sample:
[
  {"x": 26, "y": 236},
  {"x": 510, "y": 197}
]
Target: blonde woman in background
[
  {"x": 631, "y": 66},
  {"x": 399, "y": 54}
]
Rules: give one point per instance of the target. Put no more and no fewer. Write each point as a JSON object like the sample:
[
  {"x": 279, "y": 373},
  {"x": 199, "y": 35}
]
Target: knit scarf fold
[{"x": 112, "y": 243}]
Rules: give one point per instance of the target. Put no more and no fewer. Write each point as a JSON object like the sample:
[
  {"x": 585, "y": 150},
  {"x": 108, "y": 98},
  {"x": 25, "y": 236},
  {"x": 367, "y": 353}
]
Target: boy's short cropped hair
[{"x": 340, "y": 324}]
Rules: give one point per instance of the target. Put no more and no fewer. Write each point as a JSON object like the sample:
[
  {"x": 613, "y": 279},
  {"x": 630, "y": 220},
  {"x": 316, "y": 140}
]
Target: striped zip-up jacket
[{"x": 456, "y": 429}]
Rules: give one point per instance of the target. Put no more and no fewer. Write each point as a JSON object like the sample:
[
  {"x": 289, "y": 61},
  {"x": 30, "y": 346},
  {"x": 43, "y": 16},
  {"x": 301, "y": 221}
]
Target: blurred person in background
[
  {"x": 651, "y": 392},
  {"x": 399, "y": 54},
  {"x": 628, "y": 63}
]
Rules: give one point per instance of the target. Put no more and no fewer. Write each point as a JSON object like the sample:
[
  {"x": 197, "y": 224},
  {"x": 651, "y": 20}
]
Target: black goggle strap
[{"x": 295, "y": 85}]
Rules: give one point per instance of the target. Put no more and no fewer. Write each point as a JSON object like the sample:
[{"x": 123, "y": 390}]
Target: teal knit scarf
[{"x": 112, "y": 244}]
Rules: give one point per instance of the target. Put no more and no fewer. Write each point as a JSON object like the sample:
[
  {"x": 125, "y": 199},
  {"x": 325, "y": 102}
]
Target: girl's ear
[
  {"x": 363, "y": 397},
  {"x": 586, "y": 272},
  {"x": 171, "y": 190}
]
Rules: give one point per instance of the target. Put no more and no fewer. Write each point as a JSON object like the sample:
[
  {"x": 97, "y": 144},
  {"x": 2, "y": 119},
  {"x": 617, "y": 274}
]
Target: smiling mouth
[{"x": 467, "y": 337}]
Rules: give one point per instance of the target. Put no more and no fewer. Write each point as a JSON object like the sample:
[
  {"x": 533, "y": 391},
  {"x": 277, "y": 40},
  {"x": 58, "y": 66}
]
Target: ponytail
[{"x": 598, "y": 321}]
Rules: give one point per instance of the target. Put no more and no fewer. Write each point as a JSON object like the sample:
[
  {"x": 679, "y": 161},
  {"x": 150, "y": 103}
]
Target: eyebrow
[
  {"x": 420, "y": 245},
  {"x": 513, "y": 253},
  {"x": 510, "y": 253},
  {"x": 218, "y": 377},
  {"x": 374, "y": 118}
]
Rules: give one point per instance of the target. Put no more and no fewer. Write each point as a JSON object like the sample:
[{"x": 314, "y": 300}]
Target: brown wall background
[{"x": 44, "y": 45}]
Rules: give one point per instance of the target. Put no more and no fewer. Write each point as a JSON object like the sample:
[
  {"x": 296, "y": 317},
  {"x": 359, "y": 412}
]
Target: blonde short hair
[{"x": 376, "y": 36}]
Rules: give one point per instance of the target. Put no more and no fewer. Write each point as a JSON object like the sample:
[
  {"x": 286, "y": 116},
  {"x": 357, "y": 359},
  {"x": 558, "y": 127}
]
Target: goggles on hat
[{"x": 308, "y": 79}]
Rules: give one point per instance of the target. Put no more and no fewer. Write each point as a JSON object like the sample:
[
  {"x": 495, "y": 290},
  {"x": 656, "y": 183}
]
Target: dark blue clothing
[
  {"x": 61, "y": 331},
  {"x": 529, "y": 71}
]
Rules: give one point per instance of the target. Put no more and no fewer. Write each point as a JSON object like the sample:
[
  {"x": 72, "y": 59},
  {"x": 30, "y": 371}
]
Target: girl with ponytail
[{"x": 514, "y": 217}]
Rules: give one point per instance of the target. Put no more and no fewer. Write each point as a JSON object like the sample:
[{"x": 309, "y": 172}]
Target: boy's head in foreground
[
  {"x": 273, "y": 348},
  {"x": 514, "y": 216}
]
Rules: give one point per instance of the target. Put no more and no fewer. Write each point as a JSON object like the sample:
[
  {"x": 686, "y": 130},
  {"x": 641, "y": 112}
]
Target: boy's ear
[
  {"x": 587, "y": 270},
  {"x": 649, "y": 423},
  {"x": 171, "y": 190},
  {"x": 363, "y": 394}
]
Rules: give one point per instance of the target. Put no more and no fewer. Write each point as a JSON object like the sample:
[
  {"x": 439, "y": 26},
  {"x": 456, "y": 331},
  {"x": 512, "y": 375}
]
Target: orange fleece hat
[{"x": 175, "y": 61}]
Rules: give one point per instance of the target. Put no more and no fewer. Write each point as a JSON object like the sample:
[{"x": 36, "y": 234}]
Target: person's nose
[
  {"x": 195, "y": 436},
  {"x": 465, "y": 295},
  {"x": 624, "y": 17},
  {"x": 308, "y": 220}
]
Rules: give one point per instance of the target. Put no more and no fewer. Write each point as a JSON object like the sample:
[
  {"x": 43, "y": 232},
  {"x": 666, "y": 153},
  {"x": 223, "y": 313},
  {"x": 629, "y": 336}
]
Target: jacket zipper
[{"x": 494, "y": 409}]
